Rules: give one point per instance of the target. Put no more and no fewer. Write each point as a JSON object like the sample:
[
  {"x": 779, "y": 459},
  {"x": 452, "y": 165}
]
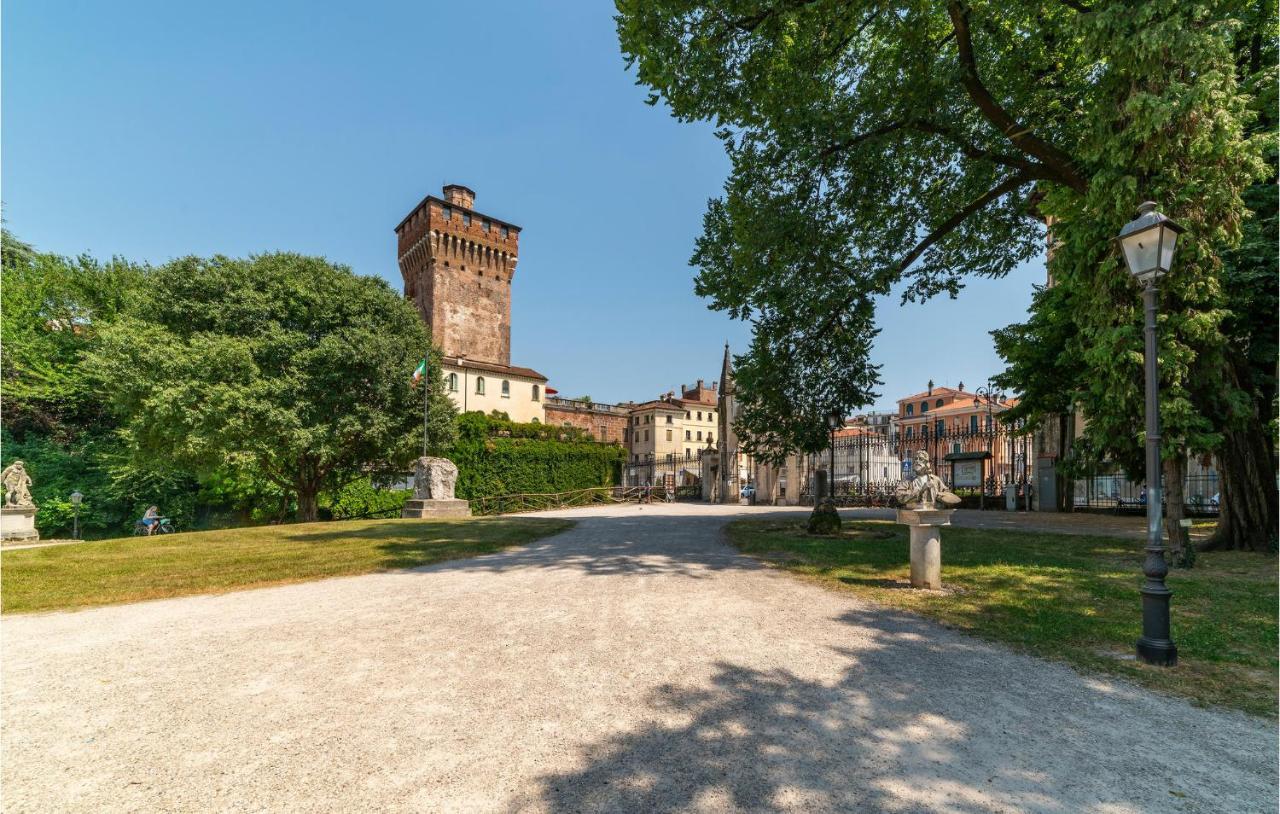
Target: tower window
[
  {"x": 506, "y": 232},
  {"x": 447, "y": 212},
  {"x": 484, "y": 224},
  {"x": 479, "y": 385},
  {"x": 466, "y": 218}
]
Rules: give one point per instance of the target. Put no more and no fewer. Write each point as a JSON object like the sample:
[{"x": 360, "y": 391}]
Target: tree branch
[
  {"x": 1055, "y": 160},
  {"x": 939, "y": 232},
  {"x": 1074, "y": 4}
]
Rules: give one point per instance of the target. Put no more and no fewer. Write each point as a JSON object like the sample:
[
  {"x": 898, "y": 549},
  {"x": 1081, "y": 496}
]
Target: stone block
[{"x": 435, "y": 509}]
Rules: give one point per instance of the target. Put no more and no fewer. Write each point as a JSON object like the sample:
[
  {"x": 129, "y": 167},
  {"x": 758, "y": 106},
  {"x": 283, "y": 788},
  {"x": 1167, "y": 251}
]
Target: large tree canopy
[
  {"x": 290, "y": 364},
  {"x": 883, "y": 146}
]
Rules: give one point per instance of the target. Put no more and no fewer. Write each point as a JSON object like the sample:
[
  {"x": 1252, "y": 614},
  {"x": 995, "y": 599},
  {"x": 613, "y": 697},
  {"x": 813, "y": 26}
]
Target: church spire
[{"x": 726, "y": 372}]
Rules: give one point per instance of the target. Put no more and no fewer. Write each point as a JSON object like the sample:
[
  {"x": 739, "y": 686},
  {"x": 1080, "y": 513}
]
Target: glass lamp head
[{"x": 1148, "y": 242}]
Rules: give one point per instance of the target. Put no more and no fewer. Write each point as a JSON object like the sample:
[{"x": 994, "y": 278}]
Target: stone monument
[
  {"x": 433, "y": 482},
  {"x": 18, "y": 514},
  {"x": 925, "y": 505}
]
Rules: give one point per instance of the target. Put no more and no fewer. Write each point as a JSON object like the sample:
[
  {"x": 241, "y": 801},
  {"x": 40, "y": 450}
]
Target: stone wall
[{"x": 605, "y": 422}]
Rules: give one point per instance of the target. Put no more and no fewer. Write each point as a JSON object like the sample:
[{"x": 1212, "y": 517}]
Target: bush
[{"x": 361, "y": 499}]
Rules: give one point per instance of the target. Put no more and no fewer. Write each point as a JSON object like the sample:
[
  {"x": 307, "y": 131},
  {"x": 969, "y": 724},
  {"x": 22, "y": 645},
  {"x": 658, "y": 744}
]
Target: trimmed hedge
[{"x": 499, "y": 457}]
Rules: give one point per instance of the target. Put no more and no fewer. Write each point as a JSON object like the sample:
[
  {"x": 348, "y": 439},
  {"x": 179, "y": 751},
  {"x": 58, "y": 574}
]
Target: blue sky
[{"x": 157, "y": 129}]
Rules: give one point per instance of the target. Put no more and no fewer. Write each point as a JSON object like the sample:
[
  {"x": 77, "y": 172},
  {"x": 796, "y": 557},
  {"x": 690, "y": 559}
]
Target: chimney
[{"x": 459, "y": 196}]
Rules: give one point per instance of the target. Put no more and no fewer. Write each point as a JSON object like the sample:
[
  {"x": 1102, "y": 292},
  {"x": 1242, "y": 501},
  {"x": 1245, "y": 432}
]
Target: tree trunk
[
  {"x": 1181, "y": 554},
  {"x": 1066, "y": 486},
  {"x": 1247, "y": 499},
  {"x": 308, "y": 507}
]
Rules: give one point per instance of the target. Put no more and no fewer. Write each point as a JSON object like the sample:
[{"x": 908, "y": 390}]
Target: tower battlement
[{"x": 458, "y": 265}]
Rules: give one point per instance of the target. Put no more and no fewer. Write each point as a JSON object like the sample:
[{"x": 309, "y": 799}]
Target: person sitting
[{"x": 151, "y": 519}]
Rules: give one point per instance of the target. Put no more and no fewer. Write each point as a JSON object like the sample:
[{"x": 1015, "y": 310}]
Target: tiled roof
[{"x": 491, "y": 367}]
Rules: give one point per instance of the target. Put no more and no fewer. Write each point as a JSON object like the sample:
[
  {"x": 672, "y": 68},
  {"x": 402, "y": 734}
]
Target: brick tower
[{"x": 457, "y": 266}]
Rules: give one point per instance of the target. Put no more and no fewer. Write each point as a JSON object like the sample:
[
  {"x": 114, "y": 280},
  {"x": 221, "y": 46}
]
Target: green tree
[
  {"x": 288, "y": 364},
  {"x": 904, "y": 148}
]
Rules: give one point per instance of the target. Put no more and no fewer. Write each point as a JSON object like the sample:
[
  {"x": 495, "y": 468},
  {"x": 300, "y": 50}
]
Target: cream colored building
[
  {"x": 484, "y": 387},
  {"x": 669, "y": 429}
]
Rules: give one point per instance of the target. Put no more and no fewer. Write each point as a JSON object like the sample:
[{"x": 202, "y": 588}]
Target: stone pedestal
[
  {"x": 433, "y": 482},
  {"x": 430, "y": 509},
  {"x": 926, "y": 544},
  {"x": 18, "y": 523}
]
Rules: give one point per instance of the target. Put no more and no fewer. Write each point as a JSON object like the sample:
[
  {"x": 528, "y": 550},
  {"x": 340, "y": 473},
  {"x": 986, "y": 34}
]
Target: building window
[
  {"x": 466, "y": 218},
  {"x": 710, "y": 438},
  {"x": 484, "y": 224},
  {"x": 938, "y": 403},
  {"x": 479, "y": 385},
  {"x": 646, "y": 435},
  {"x": 941, "y": 427},
  {"x": 534, "y": 420},
  {"x": 699, "y": 435},
  {"x": 711, "y": 416},
  {"x": 688, "y": 453},
  {"x": 453, "y": 382},
  {"x": 448, "y": 212},
  {"x": 924, "y": 407},
  {"x": 973, "y": 426},
  {"x": 646, "y": 418},
  {"x": 688, "y": 436},
  {"x": 506, "y": 389},
  {"x": 699, "y": 415},
  {"x": 911, "y": 433},
  {"x": 537, "y": 393},
  {"x": 686, "y": 415},
  {"x": 668, "y": 435},
  {"x": 668, "y": 419}
]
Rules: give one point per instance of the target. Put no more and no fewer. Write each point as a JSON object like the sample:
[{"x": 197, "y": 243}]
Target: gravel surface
[{"x": 633, "y": 663}]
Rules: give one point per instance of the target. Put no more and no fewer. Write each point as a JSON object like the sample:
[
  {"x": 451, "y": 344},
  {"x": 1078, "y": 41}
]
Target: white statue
[
  {"x": 927, "y": 490},
  {"x": 17, "y": 486}
]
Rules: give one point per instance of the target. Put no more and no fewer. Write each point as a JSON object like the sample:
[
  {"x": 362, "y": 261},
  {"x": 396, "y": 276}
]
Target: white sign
[{"x": 967, "y": 473}]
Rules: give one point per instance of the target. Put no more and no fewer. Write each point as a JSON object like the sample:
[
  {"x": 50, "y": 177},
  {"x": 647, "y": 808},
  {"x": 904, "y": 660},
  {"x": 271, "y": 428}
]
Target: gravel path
[{"x": 631, "y": 664}]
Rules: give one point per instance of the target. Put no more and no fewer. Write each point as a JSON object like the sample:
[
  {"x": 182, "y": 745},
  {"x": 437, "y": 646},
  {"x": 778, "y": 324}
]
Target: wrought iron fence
[
  {"x": 987, "y": 468},
  {"x": 979, "y": 464},
  {"x": 682, "y": 473}
]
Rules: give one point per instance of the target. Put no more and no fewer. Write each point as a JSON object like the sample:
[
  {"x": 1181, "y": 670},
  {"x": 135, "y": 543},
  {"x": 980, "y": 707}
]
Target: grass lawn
[
  {"x": 134, "y": 568},
  {"x": 1060, "y": 596}
]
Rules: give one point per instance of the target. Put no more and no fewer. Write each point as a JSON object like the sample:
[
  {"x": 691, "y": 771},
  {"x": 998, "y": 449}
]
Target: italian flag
[{"x": 420, "y": 371}]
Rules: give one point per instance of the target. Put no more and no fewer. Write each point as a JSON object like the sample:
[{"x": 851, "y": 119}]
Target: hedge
[{"x": 499, "y": 457}]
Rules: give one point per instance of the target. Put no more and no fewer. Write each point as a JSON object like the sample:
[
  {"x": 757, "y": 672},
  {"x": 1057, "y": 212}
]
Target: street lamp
[
  {"x": 76, "y": 498},
  {"x": 992, "y": 397},
  {"x": 1148, "y": 243},
  {"x": 835, "y": 420}
]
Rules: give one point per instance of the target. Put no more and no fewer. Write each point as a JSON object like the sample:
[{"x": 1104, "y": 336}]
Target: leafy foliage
[
  {"x": 904, "y": 148},
  {"x": 289, "y": 363}
]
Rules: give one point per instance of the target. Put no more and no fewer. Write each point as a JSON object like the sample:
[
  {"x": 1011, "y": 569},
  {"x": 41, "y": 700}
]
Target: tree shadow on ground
[
  {"x": 916, "y": 719},
  {"x": 607, "y": 546}
]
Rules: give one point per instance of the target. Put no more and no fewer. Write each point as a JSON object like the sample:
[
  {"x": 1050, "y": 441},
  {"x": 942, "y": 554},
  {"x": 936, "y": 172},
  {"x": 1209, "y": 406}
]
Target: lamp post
[
  {"x": 992, "y": 397},
  {"x": 835, "y": 420},
  {"x": 1148, "y": 243},
  {"x": 76, "y": 498}
]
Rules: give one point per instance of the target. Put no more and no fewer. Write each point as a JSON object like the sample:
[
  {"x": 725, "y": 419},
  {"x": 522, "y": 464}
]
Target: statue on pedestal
[
  {"x": 926, "y": 491},
  {"x": 433, "y": 484},
  {"x": 18, "y": 514}
]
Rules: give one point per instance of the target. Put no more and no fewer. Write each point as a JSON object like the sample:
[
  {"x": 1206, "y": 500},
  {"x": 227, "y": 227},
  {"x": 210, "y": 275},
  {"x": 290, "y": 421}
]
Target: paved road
[{"x": 630, "y": 664}]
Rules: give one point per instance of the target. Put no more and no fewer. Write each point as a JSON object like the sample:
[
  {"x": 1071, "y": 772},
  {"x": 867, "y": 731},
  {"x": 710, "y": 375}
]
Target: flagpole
[{"x": 426, "y": 394}]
